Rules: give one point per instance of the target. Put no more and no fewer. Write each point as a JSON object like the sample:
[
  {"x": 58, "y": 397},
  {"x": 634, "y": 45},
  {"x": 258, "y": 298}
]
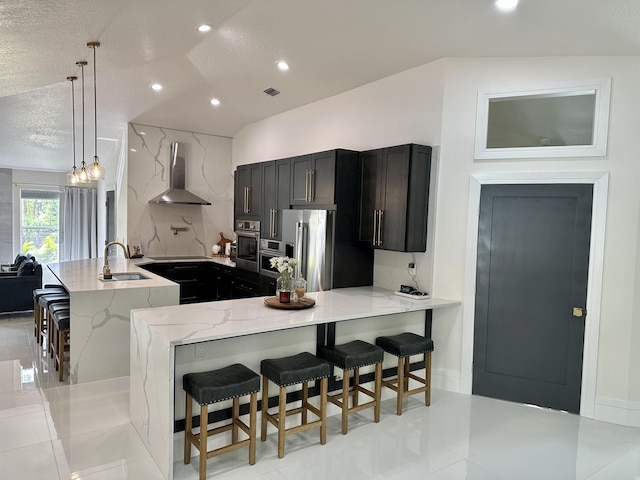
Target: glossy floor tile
[{"x": 51, "y": 430}]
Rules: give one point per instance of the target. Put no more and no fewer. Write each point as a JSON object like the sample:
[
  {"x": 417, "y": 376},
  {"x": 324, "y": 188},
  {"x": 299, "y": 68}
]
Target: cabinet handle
[
  {"x": 306, "y": 187},
  {"x": 275, "y": 222},
  {"x": 375, "y": 229},
  {"x": 248, "y": 199},
  {"x": 380, "y": 214},
  {"x": 312, "y": 174}
]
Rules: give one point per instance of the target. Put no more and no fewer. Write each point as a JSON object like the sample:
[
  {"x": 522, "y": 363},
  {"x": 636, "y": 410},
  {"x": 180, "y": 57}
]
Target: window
[{"x": 40, "y": 223}]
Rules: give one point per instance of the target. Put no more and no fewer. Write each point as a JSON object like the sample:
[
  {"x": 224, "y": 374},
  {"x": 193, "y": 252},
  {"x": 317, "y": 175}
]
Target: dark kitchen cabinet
[
  {"x": 394, "y": 198},
  {"x": 267, "y": 286},
  {"x": 275, "y": 197},
  {"x": 248, "y": 191},
  {"x": 196, "y": 279},
  {"x": 245, "y": 284},
  {"x": 223, "y": 278},
  {"x": 315, "y": 178}
]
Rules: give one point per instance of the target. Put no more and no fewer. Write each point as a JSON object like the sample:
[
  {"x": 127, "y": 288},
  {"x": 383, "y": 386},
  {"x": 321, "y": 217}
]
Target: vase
[{"x": 283, "y": 288}]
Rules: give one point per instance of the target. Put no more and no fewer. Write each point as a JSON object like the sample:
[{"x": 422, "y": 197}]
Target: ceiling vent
[{"x": 271, "y": 91}]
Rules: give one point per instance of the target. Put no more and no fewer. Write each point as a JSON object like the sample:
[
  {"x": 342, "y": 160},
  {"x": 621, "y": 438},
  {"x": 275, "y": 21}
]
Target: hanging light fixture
[
  {"x": 83, "y": 176},
  {"x": 96, "y": 171},
  {"x": 72, "y": 178}
]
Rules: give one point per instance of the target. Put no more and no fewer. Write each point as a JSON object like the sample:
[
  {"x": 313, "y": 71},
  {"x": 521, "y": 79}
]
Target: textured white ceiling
[{"x": 331, "y": 45}]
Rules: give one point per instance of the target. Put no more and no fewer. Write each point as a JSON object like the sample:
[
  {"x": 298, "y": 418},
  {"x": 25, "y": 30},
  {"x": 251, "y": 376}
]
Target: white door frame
[{"x": 600, "y": 182}]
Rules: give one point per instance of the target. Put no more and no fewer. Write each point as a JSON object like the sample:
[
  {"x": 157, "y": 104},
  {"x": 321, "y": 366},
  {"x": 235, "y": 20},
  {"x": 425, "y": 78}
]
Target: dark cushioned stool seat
[
  {"x": 45, "y": 300},
  {"x": 301, "y": 368},
  {"x": 404, "y": 346},
  {"x": 214, "y": 386},
  {"x": 352, "y": 356},
  {"x": 61, "y": 319},
  {"x": 218, "y": 385},
  {"x": 38, "y": 292}
]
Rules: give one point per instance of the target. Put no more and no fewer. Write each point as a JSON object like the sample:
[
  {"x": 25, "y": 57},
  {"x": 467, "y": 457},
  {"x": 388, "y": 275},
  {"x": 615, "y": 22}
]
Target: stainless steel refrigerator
[{"x": 328, "y": 253}]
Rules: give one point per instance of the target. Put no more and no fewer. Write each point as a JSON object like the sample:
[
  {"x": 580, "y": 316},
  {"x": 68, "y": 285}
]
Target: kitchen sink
[{"x": 122, "y": 276}]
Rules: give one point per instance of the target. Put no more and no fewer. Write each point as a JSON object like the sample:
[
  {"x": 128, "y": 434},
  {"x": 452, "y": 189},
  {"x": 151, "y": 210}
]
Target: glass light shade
[
  {"x": 83, "y": 176},
  {"x": 96, "y": 171},
  {"x": 72, "y": 178}
]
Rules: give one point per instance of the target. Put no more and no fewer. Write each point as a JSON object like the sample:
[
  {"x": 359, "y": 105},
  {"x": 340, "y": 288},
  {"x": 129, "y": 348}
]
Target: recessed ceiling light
[
  {"x": 506, "y": 5},
  {"x": 132, "y": 150},
  {"x": 143, "y": 133},
  {"x": 282, "y": 65},
  {"x": 157, "y": 87},
  {"x": 215, "y": 102},
  {"x": 204, "y": 28}
]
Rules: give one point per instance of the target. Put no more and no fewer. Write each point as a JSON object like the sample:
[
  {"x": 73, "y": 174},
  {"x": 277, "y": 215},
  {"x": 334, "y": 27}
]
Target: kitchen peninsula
[
  {"x": 170, "y": 341},
  {"x": 100, "y": 312}
]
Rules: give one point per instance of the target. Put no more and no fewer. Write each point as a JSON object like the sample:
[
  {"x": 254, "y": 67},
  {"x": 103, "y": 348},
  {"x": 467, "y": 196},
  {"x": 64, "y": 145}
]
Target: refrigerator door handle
[{"x": 300, "y": 249}]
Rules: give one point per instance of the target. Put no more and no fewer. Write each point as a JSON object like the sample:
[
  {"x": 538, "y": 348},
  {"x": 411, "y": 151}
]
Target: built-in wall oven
[
  {"x": 247, "y": 243},
  {"x": 268, "y": 250}
]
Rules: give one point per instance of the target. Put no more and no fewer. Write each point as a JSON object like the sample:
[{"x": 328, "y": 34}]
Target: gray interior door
[{"x": 531, "y": 287}]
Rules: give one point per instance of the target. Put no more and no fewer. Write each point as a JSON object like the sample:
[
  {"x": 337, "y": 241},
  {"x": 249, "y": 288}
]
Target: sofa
[{"x": 17, "y": 286}]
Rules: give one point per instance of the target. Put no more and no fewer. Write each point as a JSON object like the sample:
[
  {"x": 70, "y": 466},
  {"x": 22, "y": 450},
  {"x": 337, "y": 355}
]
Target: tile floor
[{"x": 50, "y": 430}]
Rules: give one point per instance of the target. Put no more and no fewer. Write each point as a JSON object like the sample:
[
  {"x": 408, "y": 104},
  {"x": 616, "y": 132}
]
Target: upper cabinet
[
  {"x": 275, "y": 197},
  {"x": 395, "y": 197},
  {"x": 248, "y": 191},
  {"x": 314, "y": 177}
]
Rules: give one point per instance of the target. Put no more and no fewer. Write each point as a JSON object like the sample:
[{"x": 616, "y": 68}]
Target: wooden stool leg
[
  {"x": 282, "y": 420},
  {"x": 305, "y": 401},
  {"x": 187, "y": 428},
  {"x": 265, "y": 409},
  {"x": 407, "y": 371},
  {"x": 345, "y": 400},
  {"x": 253, "y": 411},
  {"x": 427, "y": 378},
  {"x": 51, "y": 335},
  {"x": 60, "y": 353},
  {"x": 203, "y": 441},
  {"x": 377, "y": 391},
  {"x": 356, "y": 383},
  {"x": 324, "y": 387},
  {"x": 400, "y": 386},
  {"x": 235, "y": 415}
]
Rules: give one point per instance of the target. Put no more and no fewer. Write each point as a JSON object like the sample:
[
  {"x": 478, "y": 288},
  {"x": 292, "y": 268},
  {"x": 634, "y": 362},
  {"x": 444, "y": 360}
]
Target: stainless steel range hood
[{"x": 177, "y": 195}]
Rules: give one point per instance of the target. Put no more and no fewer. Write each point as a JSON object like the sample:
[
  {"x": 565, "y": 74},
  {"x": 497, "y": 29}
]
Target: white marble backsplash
[{"x": 208, "y": 175}]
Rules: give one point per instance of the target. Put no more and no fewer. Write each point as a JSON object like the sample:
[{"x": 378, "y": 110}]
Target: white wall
[
  {"x": 208, "y": 175},
  {"x": 436, "y": 104}
]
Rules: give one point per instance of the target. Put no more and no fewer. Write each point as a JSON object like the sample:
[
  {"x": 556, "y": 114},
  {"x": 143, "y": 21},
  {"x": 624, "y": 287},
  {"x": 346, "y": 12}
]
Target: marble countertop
[
  {"x": 200, "y": 322},
  {"x": 85, "y": 275}
]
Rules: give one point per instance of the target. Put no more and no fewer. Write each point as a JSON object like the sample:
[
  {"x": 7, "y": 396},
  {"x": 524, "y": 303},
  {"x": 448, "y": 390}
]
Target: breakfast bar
[{"x": 170, "y": 341}]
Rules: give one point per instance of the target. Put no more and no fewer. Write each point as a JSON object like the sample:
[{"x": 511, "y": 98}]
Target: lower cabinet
[
  {"x": 196, "y": 279},
  {"x": 267, "y": 286},
  {"x": 208, "y": 281}
]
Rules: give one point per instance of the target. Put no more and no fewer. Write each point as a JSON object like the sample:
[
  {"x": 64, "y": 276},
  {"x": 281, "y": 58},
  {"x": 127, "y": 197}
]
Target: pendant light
[
  {"x": 72, "y": 178},
  {"x": 83, "y": 176},
  {"x": 96, "y": 171}
]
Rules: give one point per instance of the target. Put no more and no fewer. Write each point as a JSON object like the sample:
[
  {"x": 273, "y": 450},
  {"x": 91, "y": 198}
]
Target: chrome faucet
[{"x": 106, "y": 271}]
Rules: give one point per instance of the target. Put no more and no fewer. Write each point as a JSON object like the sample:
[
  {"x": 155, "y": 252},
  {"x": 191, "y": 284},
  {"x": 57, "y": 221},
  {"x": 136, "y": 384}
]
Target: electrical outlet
[
  {"x": 200, "y": 350},
  {"x": 411, "y": 268}
]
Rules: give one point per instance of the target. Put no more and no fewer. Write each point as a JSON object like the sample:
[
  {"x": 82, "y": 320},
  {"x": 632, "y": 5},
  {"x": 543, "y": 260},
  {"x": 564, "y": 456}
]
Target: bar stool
[
  {"x": 214, "y": 386},
  {"x": 404, "y": 346},
  {"x": 38, "y": 311},
  {"x": 45, "y": 301},
  {"x": 352, "y": 356},
  {"x": 60, "y": 322},
  {"x": 301, "y": 368},
  {"x": 51, "y": 334}
]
